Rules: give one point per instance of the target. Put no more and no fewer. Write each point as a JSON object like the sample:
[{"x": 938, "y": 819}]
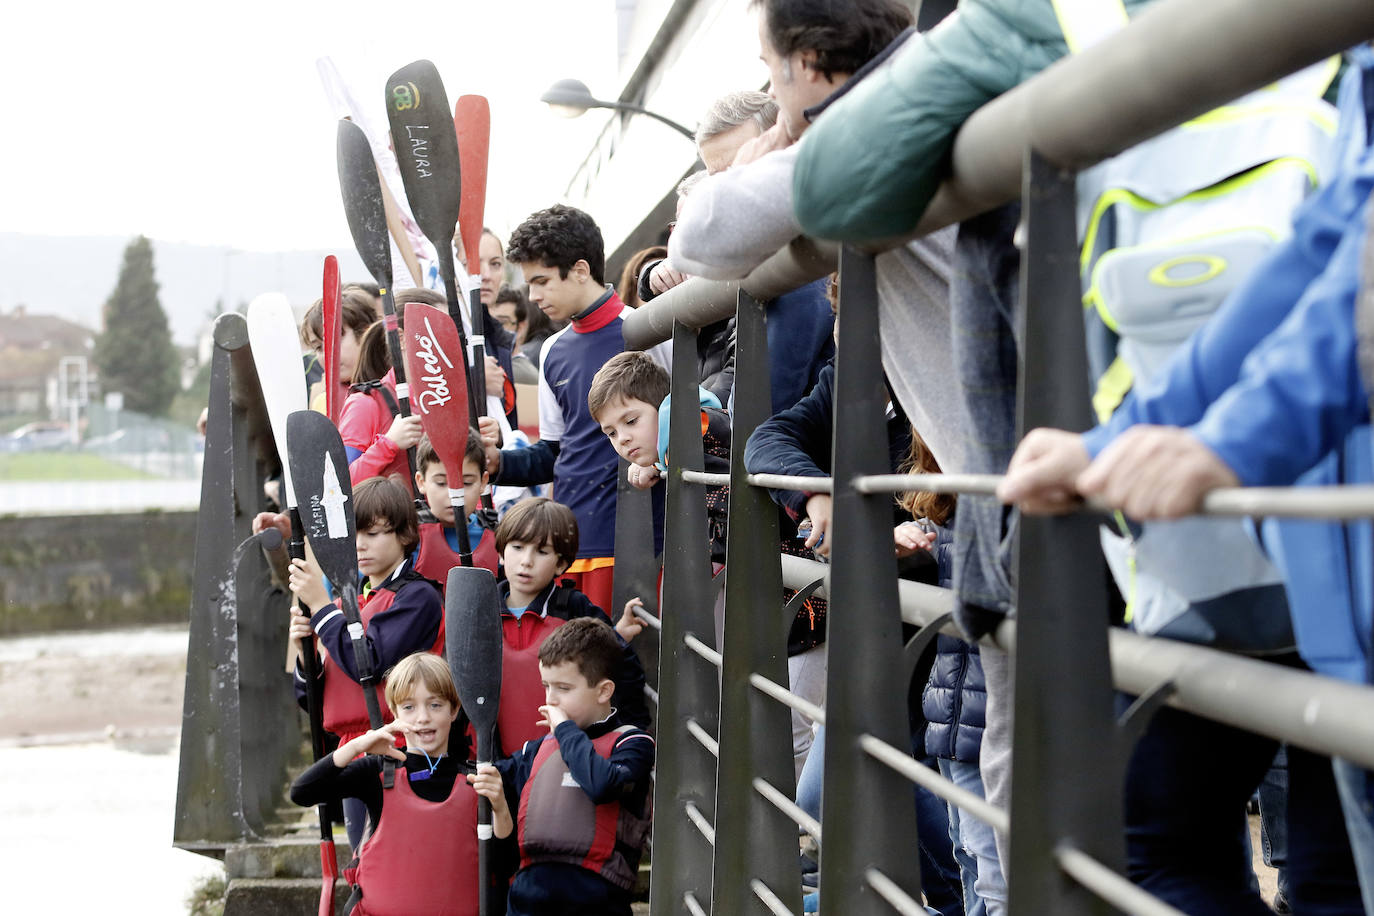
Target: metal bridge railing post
[
  {"x": 867, "y": 814},
  {"x": 689, "y": 690},
  {"x": 636, "y": 566},
  {"x": 231, "y": 773},
  {"x": 754, "y": 840},
  {"x": 1064, "y": 787}
]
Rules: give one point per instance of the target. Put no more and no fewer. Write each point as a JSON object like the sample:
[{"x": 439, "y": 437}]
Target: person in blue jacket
[{"x": 1270, "y": 392}]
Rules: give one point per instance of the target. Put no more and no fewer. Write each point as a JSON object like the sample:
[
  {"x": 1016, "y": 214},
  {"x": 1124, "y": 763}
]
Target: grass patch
[
  {"x": 207, "y": 896},
  {"x": 65, "y": 466}
]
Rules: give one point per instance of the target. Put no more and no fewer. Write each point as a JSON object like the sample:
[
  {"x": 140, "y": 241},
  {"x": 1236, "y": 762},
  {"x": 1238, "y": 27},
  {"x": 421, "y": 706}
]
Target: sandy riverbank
[{"x": 73, "y": 687}]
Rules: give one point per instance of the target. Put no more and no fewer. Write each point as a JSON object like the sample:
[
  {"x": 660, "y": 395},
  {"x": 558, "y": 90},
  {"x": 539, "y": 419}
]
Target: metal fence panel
[{"x": 755, "y": 840}]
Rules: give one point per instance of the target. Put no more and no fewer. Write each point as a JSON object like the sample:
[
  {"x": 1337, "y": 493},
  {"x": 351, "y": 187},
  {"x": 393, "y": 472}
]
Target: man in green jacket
[{"x": 870, "y": 166}]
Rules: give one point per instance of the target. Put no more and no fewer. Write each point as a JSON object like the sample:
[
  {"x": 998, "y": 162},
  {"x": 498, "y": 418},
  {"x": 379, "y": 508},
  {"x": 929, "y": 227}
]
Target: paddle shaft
[
  {"x": 457, "y": 499},
  {"x": 310, "y": 664},
  {"x": 476, "y": 404},
  {"x": 478, "y": 379},
  {"x": 330, "y": 327},
  {"x": 367, "y": 678},
  {"x": 485, "y": 834}
]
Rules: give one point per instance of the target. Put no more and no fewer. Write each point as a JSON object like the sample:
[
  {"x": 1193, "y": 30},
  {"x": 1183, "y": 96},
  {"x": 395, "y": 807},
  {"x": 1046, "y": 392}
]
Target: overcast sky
[{"x": 207, "y": 123}]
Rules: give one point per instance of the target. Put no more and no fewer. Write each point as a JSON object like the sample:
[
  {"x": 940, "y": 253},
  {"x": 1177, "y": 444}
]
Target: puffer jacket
[
  {"x": 857, "y": 184},
  {"x": 955, "y": 698}
]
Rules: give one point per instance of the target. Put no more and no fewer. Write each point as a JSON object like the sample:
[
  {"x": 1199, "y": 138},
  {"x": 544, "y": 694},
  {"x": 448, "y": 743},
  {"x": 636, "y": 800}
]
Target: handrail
[
  {"x": 1166, "y": 67},
  {"x": 1110, "y": 886},
  {"x": 787, "y": 698},
  {"x": 699, "y": 302},
  {"x": 788, "y": 807},
  {"x": 1336, "y": 502},
  {"x": 908, "y": 766},
  {"x": 1316, "y": 712}
]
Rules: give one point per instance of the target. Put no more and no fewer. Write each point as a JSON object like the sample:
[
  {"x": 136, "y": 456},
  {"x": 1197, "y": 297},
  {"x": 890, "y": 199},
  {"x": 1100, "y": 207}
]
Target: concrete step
[
  {"x": 279, "y": 897},
  {"x": 292, "y": 857}
]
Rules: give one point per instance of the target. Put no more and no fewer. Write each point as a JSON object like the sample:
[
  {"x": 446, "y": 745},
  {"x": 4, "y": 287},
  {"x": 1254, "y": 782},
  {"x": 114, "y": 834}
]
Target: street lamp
[{"x": 572, "y": 98}]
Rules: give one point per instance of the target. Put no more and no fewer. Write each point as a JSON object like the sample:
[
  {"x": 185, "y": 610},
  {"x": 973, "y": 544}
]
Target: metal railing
[
  {"x": 239, "y": 728},
  {"x": 726, "y": 824}
]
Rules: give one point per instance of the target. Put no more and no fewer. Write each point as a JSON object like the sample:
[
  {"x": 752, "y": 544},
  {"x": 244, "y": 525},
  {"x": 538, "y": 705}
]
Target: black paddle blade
[
  {"x": 319, "y": 470},
  {"x": 362, "y": 199},
  {"x": 472, "y": 621},
  {"x": 426, "y": 144}
]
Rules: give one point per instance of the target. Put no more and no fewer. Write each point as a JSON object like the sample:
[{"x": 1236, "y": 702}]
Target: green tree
[{"x": 134, "y": 352}]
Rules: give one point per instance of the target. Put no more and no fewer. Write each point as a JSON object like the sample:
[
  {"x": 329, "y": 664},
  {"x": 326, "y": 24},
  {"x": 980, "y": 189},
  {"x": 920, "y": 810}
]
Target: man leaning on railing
[{"x": 1274, "y": 391}]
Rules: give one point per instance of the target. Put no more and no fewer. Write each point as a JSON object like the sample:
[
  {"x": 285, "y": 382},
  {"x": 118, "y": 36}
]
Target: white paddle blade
[{"x": 277, "y": 356}]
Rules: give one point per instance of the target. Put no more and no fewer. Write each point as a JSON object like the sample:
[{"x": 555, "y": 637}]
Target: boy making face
[
  {"x": 423, "y": 845},
  {"x": 576, "y": 689}
]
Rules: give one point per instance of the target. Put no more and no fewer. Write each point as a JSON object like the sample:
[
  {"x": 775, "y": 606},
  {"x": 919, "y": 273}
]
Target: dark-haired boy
[
  {"x": 582, "y": 792},
  {"x": 538, "y": 541},
  {"x": 562, "y": 255},
  {"x": 438, "y": 551}
]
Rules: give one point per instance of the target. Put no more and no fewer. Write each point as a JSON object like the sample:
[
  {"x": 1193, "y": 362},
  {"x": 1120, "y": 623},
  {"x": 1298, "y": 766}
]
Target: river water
[{"x": 87, "y": 827}]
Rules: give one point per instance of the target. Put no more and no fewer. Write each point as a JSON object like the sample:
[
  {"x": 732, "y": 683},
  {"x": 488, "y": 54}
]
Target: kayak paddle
[
  {"x": 441, "y": 401},
  {"x": 472, "y": 623}
]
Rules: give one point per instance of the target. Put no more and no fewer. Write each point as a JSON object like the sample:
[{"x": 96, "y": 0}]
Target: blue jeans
[
  {"x": 939, "y": 871},
  {"x": 1356, "y": 787},
  {"x": 355, "y": 821},
  {"x": 975, "y": 847},
  {"x": 1273, "y": 809},
  {"x": 1186, "y": 788}
]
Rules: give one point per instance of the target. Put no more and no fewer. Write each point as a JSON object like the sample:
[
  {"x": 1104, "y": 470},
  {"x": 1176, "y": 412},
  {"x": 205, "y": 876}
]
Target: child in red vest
[
  {"x": 582, "y": 792},
  {"x": 401, "y": 612},
  {"x": 538, "y": 540},
  {"x": 438, "y": 537},
  {"x": 430, "y": 808}
]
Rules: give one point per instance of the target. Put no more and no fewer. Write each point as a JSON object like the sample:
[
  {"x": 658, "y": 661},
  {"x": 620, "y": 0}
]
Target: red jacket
[{"x": 363, "y": 422}]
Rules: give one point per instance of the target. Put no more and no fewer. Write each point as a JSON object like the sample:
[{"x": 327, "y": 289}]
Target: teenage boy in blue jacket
[
  {"x": 562, "y": 255},
  {"x": 1270, "y": 392}
]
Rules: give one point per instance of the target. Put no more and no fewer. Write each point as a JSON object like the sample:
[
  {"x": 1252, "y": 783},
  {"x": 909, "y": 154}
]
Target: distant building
[{"x": 31, "y": 351}]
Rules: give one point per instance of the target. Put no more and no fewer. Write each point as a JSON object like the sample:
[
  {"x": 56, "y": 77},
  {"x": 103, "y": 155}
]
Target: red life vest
[
  {"x": 559, "y": 822},
  {"x": 345, "y": 706},
  {"x": 522, "y": 689},
  {"x": 437, "y": 558},
  {"x": 422, "y": 860}
]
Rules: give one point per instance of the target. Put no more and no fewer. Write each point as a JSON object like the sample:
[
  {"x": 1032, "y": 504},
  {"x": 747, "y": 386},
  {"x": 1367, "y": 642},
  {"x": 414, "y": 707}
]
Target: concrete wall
[{"x": 73, "y": 572}]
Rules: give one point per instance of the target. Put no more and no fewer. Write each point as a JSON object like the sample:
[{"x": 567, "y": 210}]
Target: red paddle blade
[
  {"x": 472, "y": 120},
  {"x": 331, "y": 328},
  {"x": 438, "y": 386}
]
